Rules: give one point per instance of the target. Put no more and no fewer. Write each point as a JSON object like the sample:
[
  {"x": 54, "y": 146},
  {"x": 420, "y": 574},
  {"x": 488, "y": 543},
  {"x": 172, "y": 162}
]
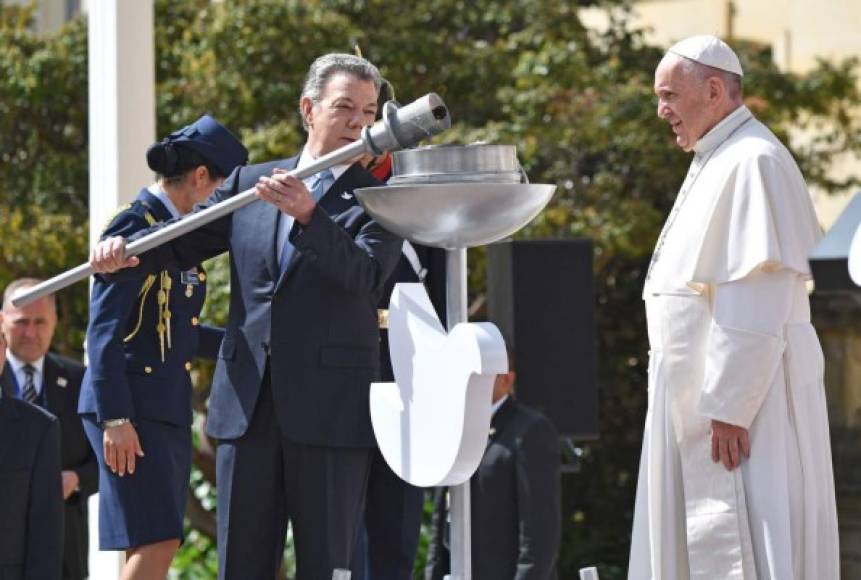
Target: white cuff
[{"x": 740, "y": 367}]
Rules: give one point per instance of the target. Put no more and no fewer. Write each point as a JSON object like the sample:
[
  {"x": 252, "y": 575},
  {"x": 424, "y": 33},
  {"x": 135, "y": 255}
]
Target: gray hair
[
  {"x": 701, "y": 72},
  {"x": 22, "y": 284},
  {"x": 328, "y": 65}
]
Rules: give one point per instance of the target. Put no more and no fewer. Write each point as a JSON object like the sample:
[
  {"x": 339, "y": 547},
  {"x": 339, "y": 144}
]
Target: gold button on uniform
[
  {"x": 194, "y": 321},
  {"x": 188, "y": 366},
  {"x": 147, "y": 370},
  {"x": 201, "y": 277}
]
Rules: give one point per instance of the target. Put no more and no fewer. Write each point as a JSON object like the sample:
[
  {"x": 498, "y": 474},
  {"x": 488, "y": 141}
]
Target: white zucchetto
[{"x": 708, "y": 50}]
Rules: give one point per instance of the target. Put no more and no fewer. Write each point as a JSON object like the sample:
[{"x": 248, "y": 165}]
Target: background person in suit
[
  {"x": 289, "y": 401},
  {"x": 515, "y": 498},
  {"x": 142, "y": 335},
  {"x": 53, "y": 382},
  {"x": 31, "y": 492},
  {"x": 388, "y": 541}
]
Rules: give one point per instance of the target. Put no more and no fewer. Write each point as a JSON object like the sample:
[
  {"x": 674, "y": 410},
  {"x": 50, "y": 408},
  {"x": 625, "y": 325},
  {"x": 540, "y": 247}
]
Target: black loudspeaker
[{"x": 540, "y": 293}]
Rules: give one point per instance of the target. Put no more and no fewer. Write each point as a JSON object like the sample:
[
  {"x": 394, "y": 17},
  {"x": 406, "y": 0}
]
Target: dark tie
[
  {"x": 29, "y": 392},
  {"x": 323, "y": 181}
]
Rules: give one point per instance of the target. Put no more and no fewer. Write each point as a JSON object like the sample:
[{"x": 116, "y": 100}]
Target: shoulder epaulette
[{"x": 111, "y": 219}]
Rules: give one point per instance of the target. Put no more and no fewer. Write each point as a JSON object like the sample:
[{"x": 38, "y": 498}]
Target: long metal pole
[
  {"x": 459, "y": 508},
  {"x": 190, "y": 222},
  {"x": 400, "y": 127}
]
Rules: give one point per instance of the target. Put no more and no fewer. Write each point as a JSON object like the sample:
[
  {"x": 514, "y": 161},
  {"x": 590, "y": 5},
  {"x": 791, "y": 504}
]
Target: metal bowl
[
  {"x": 478, "y": 162},
  {"x": 471, "y": 177},
  {"x": 455, "y": 215}
]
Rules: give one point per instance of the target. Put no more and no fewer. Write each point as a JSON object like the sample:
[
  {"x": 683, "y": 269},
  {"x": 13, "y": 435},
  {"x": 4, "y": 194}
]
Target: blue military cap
[{"x": 214, "y": 142}]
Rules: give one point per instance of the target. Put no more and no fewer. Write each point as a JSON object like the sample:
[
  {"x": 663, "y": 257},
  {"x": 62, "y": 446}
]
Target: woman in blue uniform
[{"x": 136, "y": 396}]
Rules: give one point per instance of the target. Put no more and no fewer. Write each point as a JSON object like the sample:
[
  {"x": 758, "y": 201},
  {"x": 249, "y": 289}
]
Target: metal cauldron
[
  {"x": 456, "y": 196},
  {"x": 475, "y": 163}
]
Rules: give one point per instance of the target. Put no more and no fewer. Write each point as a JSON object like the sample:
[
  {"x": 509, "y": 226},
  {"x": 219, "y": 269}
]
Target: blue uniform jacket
[{"x": 126, "y": 376}]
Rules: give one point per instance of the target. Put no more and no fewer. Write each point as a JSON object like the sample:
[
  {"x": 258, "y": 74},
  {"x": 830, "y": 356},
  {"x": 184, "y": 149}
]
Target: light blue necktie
[{"x": 323, "y": 181}]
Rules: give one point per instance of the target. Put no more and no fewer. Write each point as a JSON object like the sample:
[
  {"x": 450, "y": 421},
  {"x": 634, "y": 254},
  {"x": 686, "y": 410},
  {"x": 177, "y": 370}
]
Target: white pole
[
  {"x": 122, "y": 126},
  {"x": 122, "y": 104}
]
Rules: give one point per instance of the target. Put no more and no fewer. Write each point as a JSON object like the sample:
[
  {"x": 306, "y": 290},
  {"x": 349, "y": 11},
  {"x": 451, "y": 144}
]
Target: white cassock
[{"x": 730, "y": 334}]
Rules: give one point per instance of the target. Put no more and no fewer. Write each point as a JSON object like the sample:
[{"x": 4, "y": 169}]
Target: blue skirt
[{"x": 147, "y": 506}]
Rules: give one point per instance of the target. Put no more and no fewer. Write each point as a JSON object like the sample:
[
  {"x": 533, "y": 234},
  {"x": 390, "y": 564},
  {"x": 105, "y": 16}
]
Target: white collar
[
  {"x": 18, "y": 365},
  {"x": 306, "y": 159},
  {"x": 720, "y": 132},
  {"x": 164, "y": 198}
]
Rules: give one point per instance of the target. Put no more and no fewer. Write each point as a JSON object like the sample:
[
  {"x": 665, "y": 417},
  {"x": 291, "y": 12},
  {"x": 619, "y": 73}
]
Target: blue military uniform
[
  {"x": 144, "y": 333},
  {"x": 142, "y": 336}
]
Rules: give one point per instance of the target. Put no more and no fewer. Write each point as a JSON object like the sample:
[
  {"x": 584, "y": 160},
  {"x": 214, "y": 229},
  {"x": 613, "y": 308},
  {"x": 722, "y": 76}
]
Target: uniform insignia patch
[{"x": 189, "y": 277}]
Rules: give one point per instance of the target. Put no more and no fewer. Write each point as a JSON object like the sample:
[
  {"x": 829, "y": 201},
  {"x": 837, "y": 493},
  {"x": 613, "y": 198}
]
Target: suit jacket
[
  {"x": 515, "y": 498},
  {"x": 129, "y": 375},
  {"x": 61, "y": 388},
  {"x": 315, "y": 324},
  {"x": 31, "y": 494}
]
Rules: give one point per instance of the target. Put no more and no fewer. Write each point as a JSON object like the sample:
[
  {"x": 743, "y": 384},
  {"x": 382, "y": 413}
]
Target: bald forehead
[
  {"x": 669, "y": 60},
  {"x": 677, "y": 70},
  {"x": 670, "y": 71},
  {"x": 675, "y": 64}
]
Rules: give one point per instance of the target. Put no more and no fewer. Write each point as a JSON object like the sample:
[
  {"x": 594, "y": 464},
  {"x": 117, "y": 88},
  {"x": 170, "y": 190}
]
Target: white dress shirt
[{"x": 163, "y": 197}]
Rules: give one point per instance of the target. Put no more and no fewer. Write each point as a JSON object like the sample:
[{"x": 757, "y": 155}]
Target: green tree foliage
[
  {"x": 43, "y": 159},
  {"x": 577, "y": 103}
]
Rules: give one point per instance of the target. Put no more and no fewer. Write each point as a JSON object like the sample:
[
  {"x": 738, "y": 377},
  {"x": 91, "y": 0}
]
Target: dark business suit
[
  {"x": 31, "y": 493},
  {"x": 393, "y": 508},
  {"x": 515, "y": 497},
  {"x": 289, "y": 400},
  {"x": 61, "y": 386}
]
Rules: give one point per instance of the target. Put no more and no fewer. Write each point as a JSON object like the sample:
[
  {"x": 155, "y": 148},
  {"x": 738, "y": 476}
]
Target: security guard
[{"x": 142, "y": 335}]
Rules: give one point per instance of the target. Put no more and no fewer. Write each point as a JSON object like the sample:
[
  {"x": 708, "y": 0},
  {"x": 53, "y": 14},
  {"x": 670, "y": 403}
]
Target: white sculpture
[
  {"x": 855, "y": 257},
  {"x": 432, "y": 424}
]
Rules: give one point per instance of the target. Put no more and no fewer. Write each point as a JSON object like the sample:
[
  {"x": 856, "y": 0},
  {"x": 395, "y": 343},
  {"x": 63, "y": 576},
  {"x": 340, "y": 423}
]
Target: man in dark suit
[
  {"x": 515, "y": 498},
  {"x": 31, "y": 496},
  {"x": 53, "y": 382},
  {"x": 289, "y": 401}
]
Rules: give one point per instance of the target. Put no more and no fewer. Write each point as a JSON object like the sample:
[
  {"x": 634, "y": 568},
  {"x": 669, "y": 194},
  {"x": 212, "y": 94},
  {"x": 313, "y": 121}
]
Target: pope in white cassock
[{"x": 735, "y": 476}]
